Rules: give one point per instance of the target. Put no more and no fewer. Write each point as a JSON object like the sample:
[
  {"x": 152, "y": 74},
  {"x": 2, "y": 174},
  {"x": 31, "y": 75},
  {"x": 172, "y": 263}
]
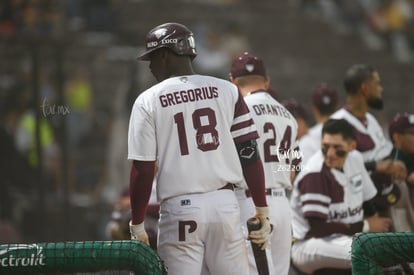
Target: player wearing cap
[
  {"x": 363, "y": 87},
  {"x": 401, "y": 132},
  {"x": 199, "y": 130},
  {"x": 301, "y": 116},
  {"x": 277, "y": 130},
  {"x": 329, "y": 201},
  {"x": 324, "y": 104},
  {"x": 299, "y": 113}
]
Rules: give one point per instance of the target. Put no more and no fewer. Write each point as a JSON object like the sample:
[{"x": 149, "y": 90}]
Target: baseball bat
[{"x": 259, "y": 255}]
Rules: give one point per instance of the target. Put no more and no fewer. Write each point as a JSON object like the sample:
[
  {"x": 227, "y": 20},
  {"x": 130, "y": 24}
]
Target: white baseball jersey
[
  {"x": 277, "y": 130},
  {"x": 310, "y": 143},
  {"x": 330, "y": 194},
  {"x": 277, "y": 135},
  {"x": 370, "y": 138},
  {"x": 190, "y": 125}
]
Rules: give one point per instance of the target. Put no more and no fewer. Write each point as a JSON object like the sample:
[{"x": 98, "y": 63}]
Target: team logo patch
[
  {"x": 249, "y": 67},
  {"x": 247, "y": 152},
  {"x": 186, "y": 202},
  {"x": 391, "y": 198},
  {"x": 159, "y": 33},
  {"x": 326, "y": 100},
  {"x": 356, "y": 183}
]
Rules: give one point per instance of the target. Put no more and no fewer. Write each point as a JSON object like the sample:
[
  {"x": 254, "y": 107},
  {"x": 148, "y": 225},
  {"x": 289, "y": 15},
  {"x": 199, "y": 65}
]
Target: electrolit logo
[{"x": 36, "y": 257}]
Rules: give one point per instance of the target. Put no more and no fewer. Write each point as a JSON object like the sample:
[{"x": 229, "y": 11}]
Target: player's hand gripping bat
[{"x": 259, "y": 254}]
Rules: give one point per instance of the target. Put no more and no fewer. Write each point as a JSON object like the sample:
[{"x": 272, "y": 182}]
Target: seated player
[
  {"x": 331, "y": 201},
  {"x": 401, "y": 132}
]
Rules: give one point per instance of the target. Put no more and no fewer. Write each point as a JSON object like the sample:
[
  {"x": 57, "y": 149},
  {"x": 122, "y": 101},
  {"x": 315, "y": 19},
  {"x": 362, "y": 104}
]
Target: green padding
[
  {"x": 70, "y": 257},
  {"x": 373, "y": 251}
]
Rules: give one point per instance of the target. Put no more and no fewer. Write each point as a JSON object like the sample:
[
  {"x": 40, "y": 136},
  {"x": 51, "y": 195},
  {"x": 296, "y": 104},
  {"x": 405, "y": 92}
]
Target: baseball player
[
  {"x": 299, "y": 112},
  {"x": 277, "y": 130},
  {"x": 324, "y": 103},
  {"x": 329, "y": 201},
  {"x": 364, "y": 91},
  {"x": 199, "y": 130},
  {"x": 401, "y": 132}
]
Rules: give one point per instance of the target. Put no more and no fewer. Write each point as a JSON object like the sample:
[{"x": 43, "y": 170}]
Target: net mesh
[
  {"x": 94, "y": 257},
  {"x": 383, "y": 253}
]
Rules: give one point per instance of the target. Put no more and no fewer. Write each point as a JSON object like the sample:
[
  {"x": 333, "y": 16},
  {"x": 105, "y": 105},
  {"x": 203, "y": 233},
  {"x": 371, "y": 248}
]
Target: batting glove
[
  {"x": 138, "y": 232},
  {"x": 261, "y": 236}
]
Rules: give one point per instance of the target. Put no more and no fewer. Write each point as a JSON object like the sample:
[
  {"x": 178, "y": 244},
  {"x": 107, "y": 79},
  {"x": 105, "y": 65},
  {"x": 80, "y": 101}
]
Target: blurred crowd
[
  {"x": 53, "y": 18},
  {"x": 380, "y": 24},
  {"x": 48, "y": 120}
]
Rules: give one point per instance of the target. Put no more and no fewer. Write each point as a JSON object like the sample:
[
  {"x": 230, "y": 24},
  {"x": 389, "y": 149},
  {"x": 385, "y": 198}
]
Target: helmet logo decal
[
  {"x": 160, "y": 32},
  {"x": 249, "y": 67}
]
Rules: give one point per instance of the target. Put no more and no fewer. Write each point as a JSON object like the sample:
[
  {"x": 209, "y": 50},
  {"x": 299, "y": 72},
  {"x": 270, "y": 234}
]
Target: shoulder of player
[
  {"x": 315, "y": 162},
  {"x": 314, "y": 134},
  {"x": 313, "y": 165},
  {"x": 146, "y": 96},
  {"x": 342, "y": 113},
  {"x": 371, "y": 119},
  {"x": 311, "y": 182},
  {"x": 316, "y": 130},
  {"x": 355, "y": 157},
  {"x": 224, "y": 86},
  {"x": 217, "y": 81},
  {"x": 304, "y": 140}
]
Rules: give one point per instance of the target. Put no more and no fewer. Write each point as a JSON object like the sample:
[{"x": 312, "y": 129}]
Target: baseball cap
[
  {"x": 402, "y": 123},
  {"x": 247, "y": 64},
  {"x": 296, "y": 108},
  {"x": 324, "y": 97}
]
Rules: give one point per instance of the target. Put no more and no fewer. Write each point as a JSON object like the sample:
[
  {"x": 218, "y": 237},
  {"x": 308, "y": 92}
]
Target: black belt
[
  {"x": 228, "y": 186},
  {"x": 268, "y": 191}
]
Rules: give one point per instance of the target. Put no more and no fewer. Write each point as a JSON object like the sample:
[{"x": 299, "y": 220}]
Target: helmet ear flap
[{"x": 186, "y": 46}]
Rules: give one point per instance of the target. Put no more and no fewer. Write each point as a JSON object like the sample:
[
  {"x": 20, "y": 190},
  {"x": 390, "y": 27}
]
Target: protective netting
[
  {"x": 383, "y": 253},
  {"x": 89, "y": 257}
]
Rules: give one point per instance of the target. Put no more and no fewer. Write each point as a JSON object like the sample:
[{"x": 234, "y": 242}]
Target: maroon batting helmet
[{"x": 174, "y": 36}]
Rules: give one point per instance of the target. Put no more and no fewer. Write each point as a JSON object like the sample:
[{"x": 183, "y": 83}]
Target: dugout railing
[{"x": 96, "y": 257}]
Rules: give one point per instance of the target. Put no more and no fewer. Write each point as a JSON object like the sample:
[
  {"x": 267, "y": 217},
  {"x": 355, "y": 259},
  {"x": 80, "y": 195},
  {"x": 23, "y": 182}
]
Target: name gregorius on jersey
[{"x": 190, "y": 95}]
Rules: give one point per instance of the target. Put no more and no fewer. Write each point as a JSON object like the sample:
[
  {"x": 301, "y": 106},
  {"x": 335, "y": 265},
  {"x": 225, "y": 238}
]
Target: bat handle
[
  {"x": 259, "y": 254},
  {"x": 253, "y": 224}
]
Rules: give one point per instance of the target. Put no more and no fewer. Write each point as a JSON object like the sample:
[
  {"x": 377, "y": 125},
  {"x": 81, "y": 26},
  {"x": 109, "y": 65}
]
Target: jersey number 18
[{"x": 207, "y": 137}]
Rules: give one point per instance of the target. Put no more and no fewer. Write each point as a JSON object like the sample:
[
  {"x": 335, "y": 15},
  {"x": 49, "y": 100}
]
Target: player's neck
[
  {"x": 251, "y": 89},
  {"x": 188, "y": 71},
  {"x": 320, "y": 119},
  {"x": 182, "y": 67},
  {"x": 357, "y": 107}
]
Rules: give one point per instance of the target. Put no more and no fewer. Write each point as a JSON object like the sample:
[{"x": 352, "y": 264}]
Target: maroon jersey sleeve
[
  {"x": 243, "y": 123},
  {"x": 140, "y": 186},
  {"x": 320, "y": 228},
  {"x": 254, "y": 176},
  {"x": 314, "y": 196}
]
